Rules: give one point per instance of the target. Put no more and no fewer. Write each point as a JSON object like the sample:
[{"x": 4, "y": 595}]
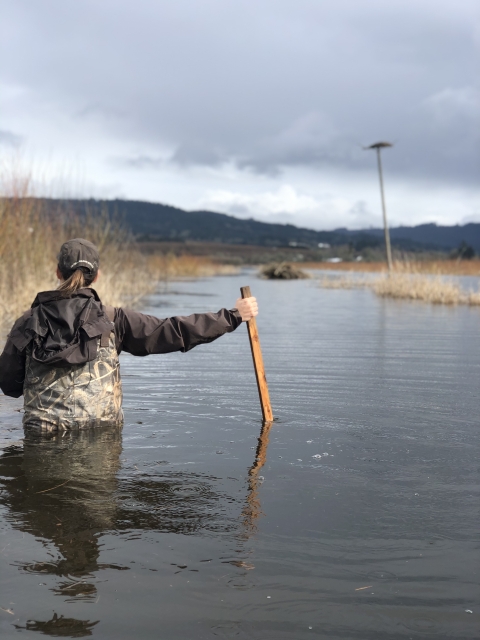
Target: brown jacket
[{"x": 64, "y": 331}]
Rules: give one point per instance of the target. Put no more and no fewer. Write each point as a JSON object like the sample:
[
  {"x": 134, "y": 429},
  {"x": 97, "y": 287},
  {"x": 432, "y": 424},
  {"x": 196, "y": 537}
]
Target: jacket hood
[{"x": 63, "y": 330}]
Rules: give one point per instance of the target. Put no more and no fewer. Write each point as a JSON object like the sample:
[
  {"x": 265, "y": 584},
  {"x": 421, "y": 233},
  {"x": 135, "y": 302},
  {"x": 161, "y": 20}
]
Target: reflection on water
[
  {"x": 64, "y": 489},
  {"x": 252, "y": 510},
  {"x": 58, "y": 626},
  {"x": 360, "y": 523}
]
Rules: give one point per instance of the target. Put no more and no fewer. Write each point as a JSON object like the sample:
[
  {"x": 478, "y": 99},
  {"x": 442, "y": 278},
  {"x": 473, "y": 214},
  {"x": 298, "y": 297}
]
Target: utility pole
[{"x": 388, "y": 249}]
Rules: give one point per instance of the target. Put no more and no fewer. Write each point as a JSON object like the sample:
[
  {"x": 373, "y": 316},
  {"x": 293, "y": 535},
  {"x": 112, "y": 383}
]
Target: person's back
[
  {"x": 62, "y": 354},
  {"x": 74, "y": 394}
]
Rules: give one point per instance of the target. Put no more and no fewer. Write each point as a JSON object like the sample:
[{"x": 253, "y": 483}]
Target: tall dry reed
[
  {"x": 434, "y": 267},
  {"x": 31, "y": 234},
  {"x": 412, "y": 286},
  {"x": 408, "y": 281},
  {"x": 27, "y": 262},
  {"x": 30, "y": 239},
  {"x": 32, "y": 231}
]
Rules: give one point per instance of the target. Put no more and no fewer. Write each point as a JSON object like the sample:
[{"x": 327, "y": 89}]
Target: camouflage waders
[{"x": 77, "y": 396}]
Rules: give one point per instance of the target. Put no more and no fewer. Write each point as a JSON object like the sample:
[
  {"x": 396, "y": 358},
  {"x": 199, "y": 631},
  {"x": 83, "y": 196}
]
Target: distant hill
[
  {"x": 432, "y": 235},
  {"x": 162, "y": 222}
]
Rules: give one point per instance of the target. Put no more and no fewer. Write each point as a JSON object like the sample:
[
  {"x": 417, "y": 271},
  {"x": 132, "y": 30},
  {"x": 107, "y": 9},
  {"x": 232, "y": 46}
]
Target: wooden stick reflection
[{"x": 252, "y": 509}]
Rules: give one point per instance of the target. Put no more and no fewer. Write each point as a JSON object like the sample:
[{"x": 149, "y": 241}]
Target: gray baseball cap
[{"x": 78, "y": 254}]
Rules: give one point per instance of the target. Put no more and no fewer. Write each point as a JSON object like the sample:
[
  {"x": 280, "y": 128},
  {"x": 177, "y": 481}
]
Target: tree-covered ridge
[{"x": 156, "y": 221}]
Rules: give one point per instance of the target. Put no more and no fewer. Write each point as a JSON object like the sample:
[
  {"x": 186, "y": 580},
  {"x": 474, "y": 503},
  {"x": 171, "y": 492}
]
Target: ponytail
[{"x": 77, "y": 280}]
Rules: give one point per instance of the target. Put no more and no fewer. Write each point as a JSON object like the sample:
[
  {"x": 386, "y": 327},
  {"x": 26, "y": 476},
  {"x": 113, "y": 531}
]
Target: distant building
[
  {"x": 294, "y": 243},
  {"x": 323, "y": 245}
]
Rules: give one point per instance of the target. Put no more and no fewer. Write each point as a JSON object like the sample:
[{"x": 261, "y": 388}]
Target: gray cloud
[
  {"x": 312, "y": 139},
  {"x": 270, "y": 85},
  {"x": 99, "y": 110},
  {"x": 141, "y": 162},
  {"x": 200, "y": 152}
]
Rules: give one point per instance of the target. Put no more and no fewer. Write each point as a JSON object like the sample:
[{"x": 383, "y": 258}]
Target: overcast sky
[{"x": 259, "y": 108}]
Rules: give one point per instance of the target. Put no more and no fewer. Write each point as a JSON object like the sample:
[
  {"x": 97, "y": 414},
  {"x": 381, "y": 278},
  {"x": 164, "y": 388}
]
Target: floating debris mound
[{"x": 282, "y": 271}]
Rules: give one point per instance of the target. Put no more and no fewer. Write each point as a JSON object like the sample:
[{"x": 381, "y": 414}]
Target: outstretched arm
[{"x": 142, "y": 335}]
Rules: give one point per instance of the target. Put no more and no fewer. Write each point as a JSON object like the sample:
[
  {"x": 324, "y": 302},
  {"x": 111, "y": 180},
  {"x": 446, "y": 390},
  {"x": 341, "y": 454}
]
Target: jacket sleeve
[
  {"x": 12, "y": 370},
  {"x": 141, "y": 334}
]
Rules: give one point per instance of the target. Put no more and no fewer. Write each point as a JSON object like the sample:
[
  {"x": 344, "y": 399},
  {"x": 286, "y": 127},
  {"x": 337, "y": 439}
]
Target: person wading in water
[{"x": 62, "y": 354}]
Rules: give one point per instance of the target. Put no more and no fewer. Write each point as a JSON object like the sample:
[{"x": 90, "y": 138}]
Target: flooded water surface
[{"x": 354, "y": 516}]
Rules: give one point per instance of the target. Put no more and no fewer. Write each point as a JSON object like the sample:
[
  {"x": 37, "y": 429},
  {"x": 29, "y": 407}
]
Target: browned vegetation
[
  {"x": 434, "y": 267},
  {"x": 282, "y": 271},
  {"x": 30, "y": 239},
  {"x": 353, "y": 267},
  {"x": 427, "y": 282},
  {"x": 29, "y": 243}
]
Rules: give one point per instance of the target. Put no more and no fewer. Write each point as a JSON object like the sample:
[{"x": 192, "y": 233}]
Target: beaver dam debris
[{"x": 282, "y": 271}]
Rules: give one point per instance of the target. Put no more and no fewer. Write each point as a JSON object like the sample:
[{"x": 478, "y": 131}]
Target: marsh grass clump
[
  {"x": 409, "y": 280},
  {"x": 412, "y": 286},
  {"x": 445, "y": 267},
  {"x": 282, "y": 271}
]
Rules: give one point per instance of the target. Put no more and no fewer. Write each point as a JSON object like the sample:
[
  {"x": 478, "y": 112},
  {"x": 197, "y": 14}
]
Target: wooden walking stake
[{"x": 258, "y": 363}]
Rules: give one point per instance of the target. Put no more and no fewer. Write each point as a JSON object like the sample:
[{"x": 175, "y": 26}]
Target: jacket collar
[{"x": 44, "y": 297}]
